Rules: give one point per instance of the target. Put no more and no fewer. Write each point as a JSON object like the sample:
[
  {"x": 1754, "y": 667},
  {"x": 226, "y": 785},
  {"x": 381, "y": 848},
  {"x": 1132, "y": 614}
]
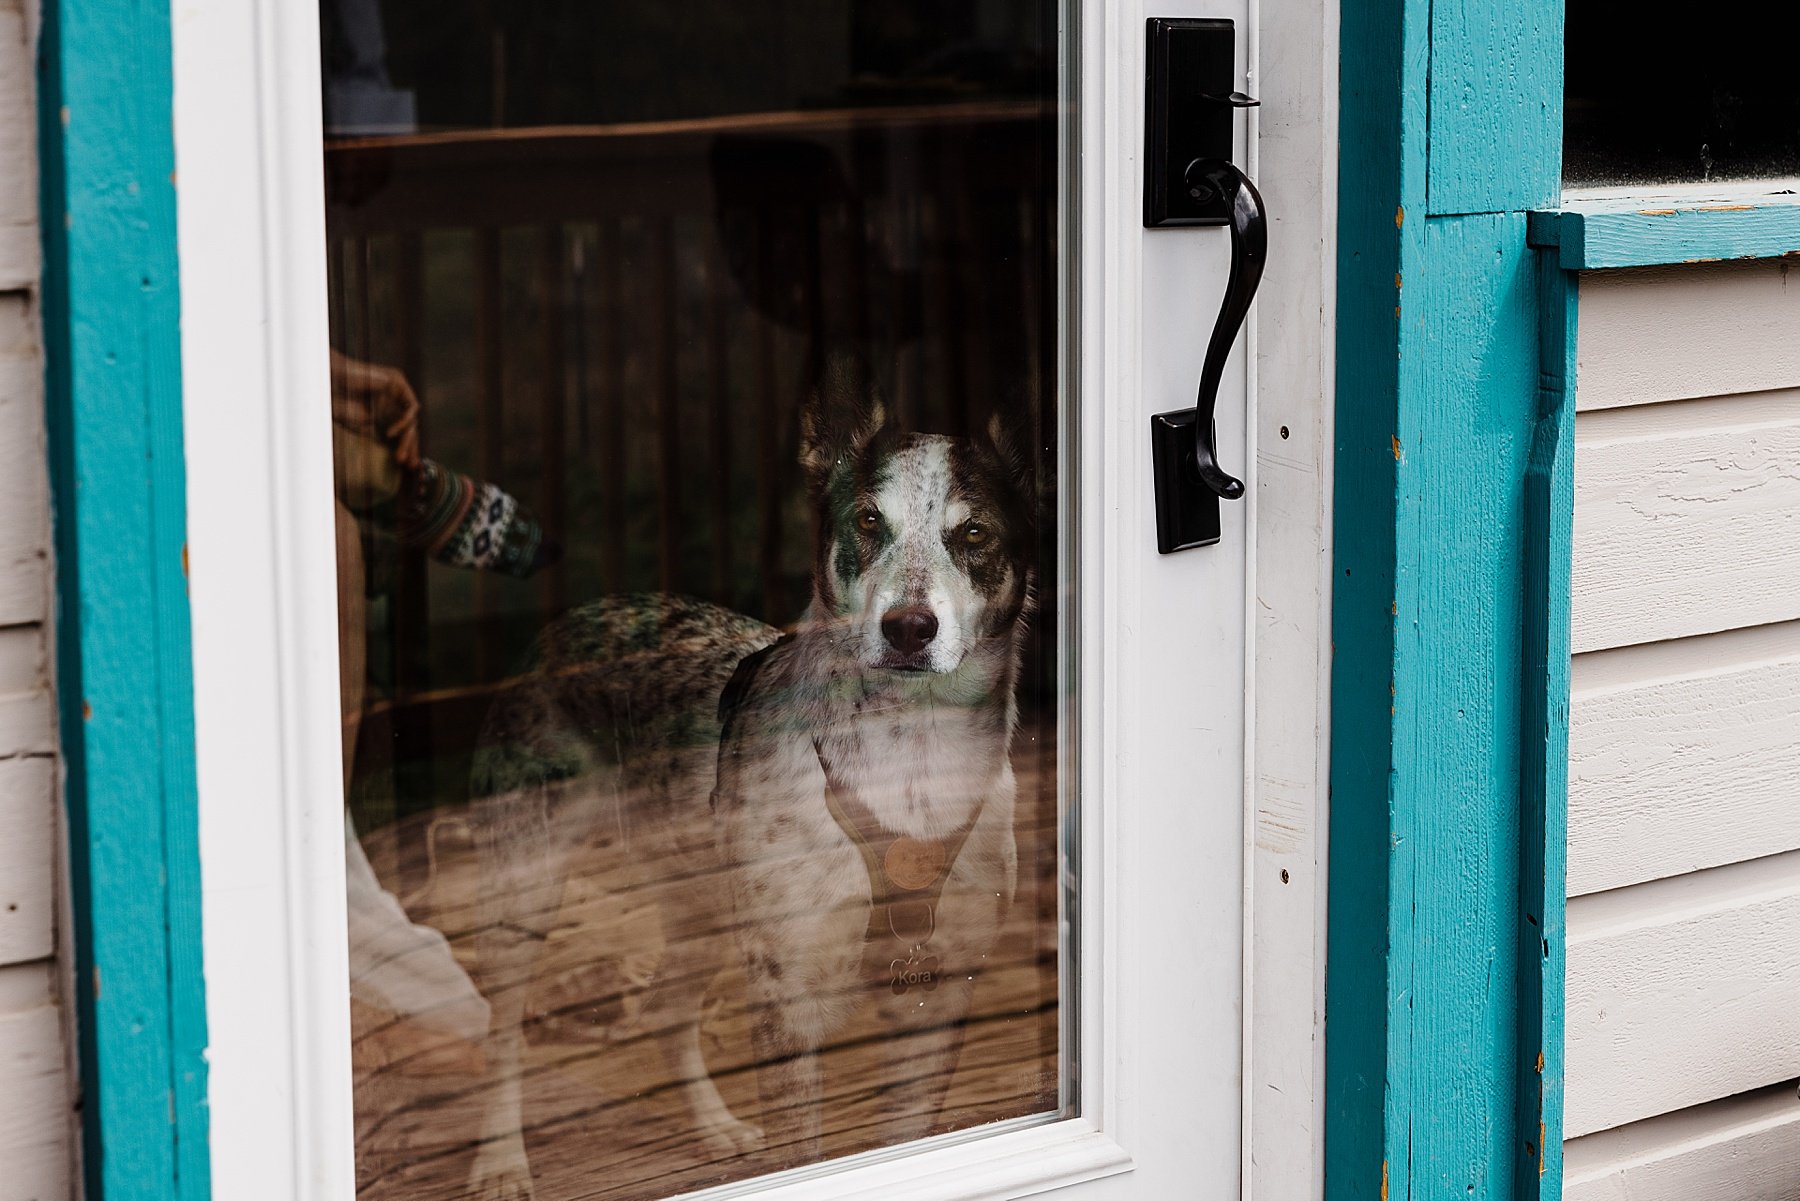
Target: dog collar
[{"x": 906, "y": 880}]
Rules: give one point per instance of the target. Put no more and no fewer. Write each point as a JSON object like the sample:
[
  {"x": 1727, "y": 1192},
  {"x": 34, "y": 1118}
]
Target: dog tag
[
  {"x": 912, "y": 971},
  {"x": 913, "y": 864}
]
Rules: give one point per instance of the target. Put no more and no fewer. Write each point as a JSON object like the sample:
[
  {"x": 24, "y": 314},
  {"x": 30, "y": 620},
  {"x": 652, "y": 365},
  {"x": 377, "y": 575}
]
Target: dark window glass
[{"x": 1660, "y": 93}]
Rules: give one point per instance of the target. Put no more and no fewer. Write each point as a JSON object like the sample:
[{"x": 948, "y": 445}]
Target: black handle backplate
[{"x": 1190, "y": 92}]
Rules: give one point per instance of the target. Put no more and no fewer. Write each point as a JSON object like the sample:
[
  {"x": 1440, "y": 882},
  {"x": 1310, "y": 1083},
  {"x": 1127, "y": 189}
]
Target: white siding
[
  {"x": 1676, "y": 333},
  {"x": 18, "y": 152},
  {"x": 1684, "y": 780},
  {"x": 1743, "y": 1149},
  {"x": 35, "y": 1094},
  {"x": 1687, "y": 519},
  {"x": 1682, "y": 992},
  {"x": 1663, "y": 735}
]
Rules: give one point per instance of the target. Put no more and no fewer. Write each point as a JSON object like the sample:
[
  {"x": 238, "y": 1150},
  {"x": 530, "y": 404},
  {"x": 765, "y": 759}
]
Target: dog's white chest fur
[{"x": 922, "y": 769}]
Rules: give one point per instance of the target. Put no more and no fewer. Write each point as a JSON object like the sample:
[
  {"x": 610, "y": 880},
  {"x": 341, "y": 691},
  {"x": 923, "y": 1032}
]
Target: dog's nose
[{"x": 909, "y": 630}]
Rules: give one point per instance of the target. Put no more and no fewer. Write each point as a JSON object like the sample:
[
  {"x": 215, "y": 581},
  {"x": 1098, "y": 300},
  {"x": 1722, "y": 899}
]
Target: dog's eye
[
  {"x": 868, "y": 521},
  {"x": 974, "y": 534}
]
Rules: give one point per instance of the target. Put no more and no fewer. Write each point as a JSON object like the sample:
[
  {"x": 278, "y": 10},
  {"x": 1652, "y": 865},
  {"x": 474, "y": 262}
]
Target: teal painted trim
[
  {"x": 1367, "y": 937},
  {"x": 1544, "y": 745},
  {"x": 1590, "y": 236},
  {"x": 112, "y": 334},
  {"x": 1495, "y": 135},
  {"x": 1446, "y": 791}
]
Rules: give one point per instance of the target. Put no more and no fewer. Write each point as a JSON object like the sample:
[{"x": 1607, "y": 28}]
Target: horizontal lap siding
[
  {"x": 1683, "y": 991},
  {"x": 19, "y": 254},
  {"x": 35, "y": 1100},
  {"x": 1684, "y": 779},
  {"x": 1656, "y": 334},
  {"x": 1663, "y": 734},
  {"x": 1687, "y": 518},
  {"x": 34, "y": 1117},
  {"x": 1743, "y": 1149}
]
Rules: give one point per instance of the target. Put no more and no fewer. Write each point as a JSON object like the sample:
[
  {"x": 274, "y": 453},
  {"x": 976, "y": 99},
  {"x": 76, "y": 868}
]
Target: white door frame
[
  {"x": 1294, "y": 158},
  {"x": 264, "y": 601}
]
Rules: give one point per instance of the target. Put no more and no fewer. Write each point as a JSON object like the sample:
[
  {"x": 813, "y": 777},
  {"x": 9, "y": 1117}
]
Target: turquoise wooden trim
[
  {"x": 1367, "y": 945},
  {"x": 1593, "y": 235},
  {"x": 112, "y": 333},
  {"x": 1491, "y": 132},
  {"x": 1450, "y": 609},
  {"x": 1544, "y": 740}
]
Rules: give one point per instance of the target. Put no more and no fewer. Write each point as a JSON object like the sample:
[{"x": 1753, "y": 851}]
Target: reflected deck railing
[{"x": 617, "y": 323}]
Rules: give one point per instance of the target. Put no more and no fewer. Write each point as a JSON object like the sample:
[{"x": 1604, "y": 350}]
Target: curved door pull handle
[
  {"x": 1249, "y": 247},
  {"x": 1190, "y": 100},
  {"x": 1189, "y": 481}
]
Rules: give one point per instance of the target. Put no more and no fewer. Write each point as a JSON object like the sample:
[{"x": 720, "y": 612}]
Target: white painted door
[{"x": 627, "y": 285}]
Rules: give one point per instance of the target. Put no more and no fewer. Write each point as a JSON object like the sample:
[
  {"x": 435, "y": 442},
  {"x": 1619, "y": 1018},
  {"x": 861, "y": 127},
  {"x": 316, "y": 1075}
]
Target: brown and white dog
[{"x": 859, "y": 847}]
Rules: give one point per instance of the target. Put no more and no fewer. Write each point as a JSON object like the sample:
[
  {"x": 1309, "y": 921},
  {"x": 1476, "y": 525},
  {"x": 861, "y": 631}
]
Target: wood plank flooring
[{"x": 603, "y": 1115}]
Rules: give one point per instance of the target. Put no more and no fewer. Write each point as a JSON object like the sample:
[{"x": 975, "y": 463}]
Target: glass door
[{"x": 703, "y": 565}]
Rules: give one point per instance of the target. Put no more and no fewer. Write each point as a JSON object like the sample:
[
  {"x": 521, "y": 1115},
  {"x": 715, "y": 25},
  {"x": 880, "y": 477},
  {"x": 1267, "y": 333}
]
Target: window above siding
[{"x": 1661, "y": 94}]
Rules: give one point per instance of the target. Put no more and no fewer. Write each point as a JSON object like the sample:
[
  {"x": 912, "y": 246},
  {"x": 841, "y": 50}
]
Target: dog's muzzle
[{"x": 909, "y": 631}]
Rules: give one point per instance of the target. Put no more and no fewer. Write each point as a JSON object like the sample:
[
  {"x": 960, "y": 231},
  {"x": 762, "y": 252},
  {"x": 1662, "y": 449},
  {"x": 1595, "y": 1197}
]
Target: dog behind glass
[{"x": 836, "y": 803}]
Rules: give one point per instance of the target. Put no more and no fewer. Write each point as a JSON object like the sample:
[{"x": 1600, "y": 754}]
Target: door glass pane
[
  {"x": 698, "y": 404},
  {"x": 1661, "y": 93}
]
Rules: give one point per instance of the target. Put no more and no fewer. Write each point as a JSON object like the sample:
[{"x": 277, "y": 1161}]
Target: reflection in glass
[{"x": 694, "y": 396}]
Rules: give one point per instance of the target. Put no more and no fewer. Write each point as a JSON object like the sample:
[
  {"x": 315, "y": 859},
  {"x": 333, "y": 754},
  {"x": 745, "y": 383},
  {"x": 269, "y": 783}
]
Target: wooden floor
[{"x": 603, "y": 1115}]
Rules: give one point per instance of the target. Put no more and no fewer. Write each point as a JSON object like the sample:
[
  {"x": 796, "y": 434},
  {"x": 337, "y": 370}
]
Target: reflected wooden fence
[{"x": 617, "y": 324}]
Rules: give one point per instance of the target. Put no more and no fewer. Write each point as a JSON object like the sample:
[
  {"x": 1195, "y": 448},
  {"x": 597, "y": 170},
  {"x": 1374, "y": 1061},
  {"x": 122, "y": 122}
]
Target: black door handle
[
  {"x": 1249, "y": 248},
  {"x": 1190, "y": 483},
  {"x": 1190, "y": 94}
]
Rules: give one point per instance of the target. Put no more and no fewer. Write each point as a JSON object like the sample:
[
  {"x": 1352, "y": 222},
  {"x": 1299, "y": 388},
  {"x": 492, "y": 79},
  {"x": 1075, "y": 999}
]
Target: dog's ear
[
  {"x": 1009, "y": 441},
  {"x": 1009, "y": 436},
  {"x": 841, "y": 417}
]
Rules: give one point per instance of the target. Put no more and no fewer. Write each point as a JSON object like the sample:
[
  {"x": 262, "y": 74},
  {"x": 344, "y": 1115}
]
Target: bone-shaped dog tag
[{"x": 914, "y": 970}]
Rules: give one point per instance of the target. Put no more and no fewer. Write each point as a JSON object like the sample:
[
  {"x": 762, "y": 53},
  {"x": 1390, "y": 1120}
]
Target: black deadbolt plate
[
  {"x": 1189, "y": 70},
  {"x": 1187, "y": 511}
]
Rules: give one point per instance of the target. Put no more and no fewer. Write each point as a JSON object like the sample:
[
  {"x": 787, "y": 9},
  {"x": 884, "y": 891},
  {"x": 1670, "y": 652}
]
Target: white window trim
[{"x": 1682, "y": 195}]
